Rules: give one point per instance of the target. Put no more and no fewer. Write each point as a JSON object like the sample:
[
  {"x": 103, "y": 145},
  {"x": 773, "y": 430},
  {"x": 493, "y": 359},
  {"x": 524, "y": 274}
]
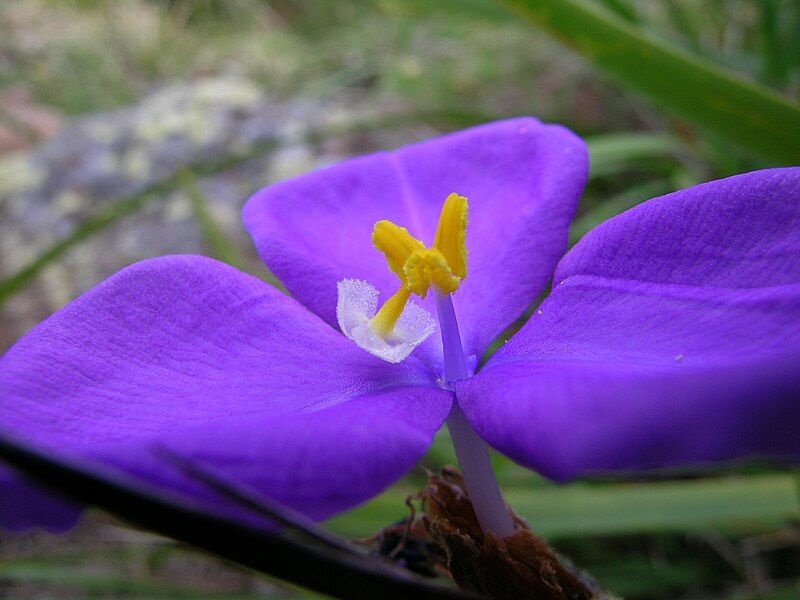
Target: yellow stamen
[
  {"x": 443, "y": 265},
  {"x": 451, "y": 234},
  {"x": 396, "y": 244},
  {"x": 386, "y": 318}
]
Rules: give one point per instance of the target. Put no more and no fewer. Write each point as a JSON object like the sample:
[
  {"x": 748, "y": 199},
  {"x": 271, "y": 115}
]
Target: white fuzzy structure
[{"x": 357, "y": 303}]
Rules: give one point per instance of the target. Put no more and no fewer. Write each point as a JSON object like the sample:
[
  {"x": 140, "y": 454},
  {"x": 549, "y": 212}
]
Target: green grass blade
[
  {"x": 616, "y": 205},
  {"x": 622, "y": 9},
  {"x": 732, "y": 503},
  {"x": 98, "y": 585},
  {"x": 617, "y": 152},
  {"x": 219, "y": 244},
  {"x": 686, "y": 23},
  {"x": 740, "y": 111}
]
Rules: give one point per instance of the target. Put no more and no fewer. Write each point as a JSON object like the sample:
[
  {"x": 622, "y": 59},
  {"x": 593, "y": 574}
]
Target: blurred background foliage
[{"x": 233, "y": 94}]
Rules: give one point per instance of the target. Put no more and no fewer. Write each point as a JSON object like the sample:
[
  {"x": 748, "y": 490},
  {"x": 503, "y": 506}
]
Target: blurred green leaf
[
  {"x": 87, "y": 583},
  {"x": 643, "y": 576},
  {"x": 735, "y": 503},
  {"x": 686, "y": 22},
  {"x": 616, "y": 152},
  {"x": 780, "y": 39},
  {"x": 752, "y": 116},
  {"x": 739, "y": 503},
  {"x": 622, "y": 8},
  {"x": 790, "y": 592},
  {"x": 106, "y": 571},
  {"x": 92, "y": 584},
  {"x": 219, "y": 245},
  {"x": 617, "y": 204}
]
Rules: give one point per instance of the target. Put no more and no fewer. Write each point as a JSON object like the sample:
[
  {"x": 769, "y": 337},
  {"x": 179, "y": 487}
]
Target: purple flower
[{"x": 671, "y": 335}]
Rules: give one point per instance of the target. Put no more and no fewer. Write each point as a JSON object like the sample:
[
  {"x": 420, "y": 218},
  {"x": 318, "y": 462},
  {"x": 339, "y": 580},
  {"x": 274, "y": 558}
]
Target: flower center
[
  {"x": 400, "y": 325},
  {"x": 444, "y": 265}
]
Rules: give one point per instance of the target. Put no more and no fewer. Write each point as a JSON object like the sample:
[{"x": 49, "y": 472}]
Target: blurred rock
[
  {"x": 97, "y": 162},
  {"x": 24, "y": 122},
  {"x": 20, "y": 112},
  {"x": 10, "y": 140}
]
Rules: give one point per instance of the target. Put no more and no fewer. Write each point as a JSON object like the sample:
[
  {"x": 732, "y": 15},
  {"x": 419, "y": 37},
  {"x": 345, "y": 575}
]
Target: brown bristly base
[{"x": 515, "y": 567}]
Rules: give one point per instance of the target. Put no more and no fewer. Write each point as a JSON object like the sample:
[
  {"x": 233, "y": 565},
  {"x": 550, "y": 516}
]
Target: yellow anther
[
  {"x": 396, "y": 244},
  {"x": 429, "y": 267},
  {"x": 443, "y": 265},
  {"x": 385, "y": 319},
  {"x": 451, "y": 234}
]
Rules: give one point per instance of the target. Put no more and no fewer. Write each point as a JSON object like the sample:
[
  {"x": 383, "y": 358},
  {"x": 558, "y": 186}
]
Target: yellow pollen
[{"x": 443, "y": 265}]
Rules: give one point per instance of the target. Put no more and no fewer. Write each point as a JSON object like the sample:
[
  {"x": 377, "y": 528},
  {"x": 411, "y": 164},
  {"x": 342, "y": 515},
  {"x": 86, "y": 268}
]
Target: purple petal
[
  {"x": 739, "y": 232},
  {"x": 188, "y": 353},
  {"x": 25, "y": 506},
  {"x": 672, "y": 337},
  {"x": 522, "y": 178}
]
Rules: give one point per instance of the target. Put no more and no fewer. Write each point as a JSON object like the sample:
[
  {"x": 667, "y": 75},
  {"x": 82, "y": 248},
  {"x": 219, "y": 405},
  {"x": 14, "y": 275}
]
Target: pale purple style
[{"x": 671, "y": 337}]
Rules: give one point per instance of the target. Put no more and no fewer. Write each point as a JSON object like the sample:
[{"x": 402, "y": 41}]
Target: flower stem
[{"x": 471, "y": 451}]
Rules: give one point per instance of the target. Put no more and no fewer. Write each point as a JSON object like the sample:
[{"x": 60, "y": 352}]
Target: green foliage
[
  {"x": 743, "y": 112},
  {"x": 615, "y": 153},
  {"x": 734, "y": 504}
]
